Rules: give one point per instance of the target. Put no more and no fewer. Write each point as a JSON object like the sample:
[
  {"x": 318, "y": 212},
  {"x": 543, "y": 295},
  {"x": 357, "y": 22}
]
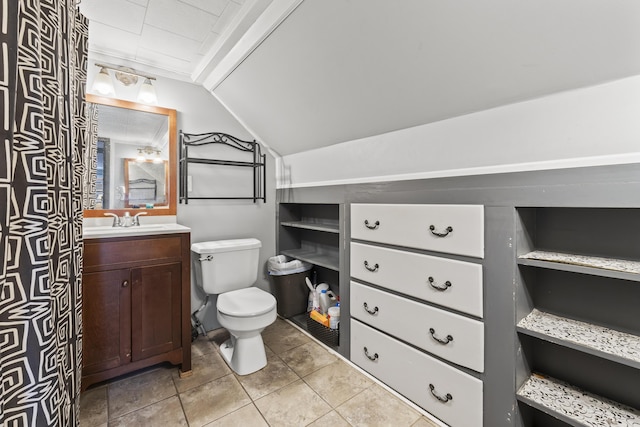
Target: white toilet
[{"x": 229, "y": 268}]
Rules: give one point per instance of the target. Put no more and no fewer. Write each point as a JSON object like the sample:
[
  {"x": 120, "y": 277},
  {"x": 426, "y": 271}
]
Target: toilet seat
[{"x": 248, "y": 302}]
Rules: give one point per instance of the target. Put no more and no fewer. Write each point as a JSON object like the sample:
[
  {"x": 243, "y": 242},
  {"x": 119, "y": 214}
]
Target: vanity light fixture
[
  {"x": 144, "y": 152},
  {"x": 103, "y": 84}
]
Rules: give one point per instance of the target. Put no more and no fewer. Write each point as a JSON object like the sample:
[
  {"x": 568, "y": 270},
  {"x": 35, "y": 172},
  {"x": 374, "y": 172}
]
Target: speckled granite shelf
[
  {"x": 574, "y": 406},
  {"x": 597, "y": 340},
  {"x": 585, "y": 261}
]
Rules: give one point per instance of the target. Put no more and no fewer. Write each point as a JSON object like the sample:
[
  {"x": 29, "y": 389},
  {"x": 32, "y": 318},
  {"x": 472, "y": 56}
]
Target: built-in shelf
[
  {"x": 599, "y": 266},
  {"x": 327, "y": 228},
  {"x": 574, "y": 406},
  {"x": 330, "y": 260},
  {"x": 599, "y": 341}
]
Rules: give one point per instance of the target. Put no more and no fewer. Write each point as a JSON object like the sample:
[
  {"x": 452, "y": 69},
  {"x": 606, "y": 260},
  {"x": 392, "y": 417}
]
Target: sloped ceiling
[{"x": 339, "y": 70}]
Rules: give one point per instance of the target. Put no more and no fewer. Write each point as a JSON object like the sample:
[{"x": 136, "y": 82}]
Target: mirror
[
  {"x": 145, "y": 183},
  {"x": 137, "y": 158}
]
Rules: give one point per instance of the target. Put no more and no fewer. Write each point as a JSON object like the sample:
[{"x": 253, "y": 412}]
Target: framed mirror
[
  {"x": 136, "y": 158},
  {"x": 145, "y": 183}
]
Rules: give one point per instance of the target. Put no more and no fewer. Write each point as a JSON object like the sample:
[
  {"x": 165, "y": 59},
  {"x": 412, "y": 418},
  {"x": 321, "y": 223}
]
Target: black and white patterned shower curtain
[{"x": 42, "y": 78}]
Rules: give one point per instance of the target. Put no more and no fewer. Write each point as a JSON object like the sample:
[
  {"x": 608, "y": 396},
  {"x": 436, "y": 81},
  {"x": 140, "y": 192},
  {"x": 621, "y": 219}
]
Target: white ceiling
[
  {"x": 173, "y": 38},
  {"x": 338, "y": 70}
]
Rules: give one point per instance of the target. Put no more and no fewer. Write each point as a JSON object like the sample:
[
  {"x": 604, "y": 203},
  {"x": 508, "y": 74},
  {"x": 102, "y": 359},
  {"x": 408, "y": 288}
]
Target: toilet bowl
[
  {"x": 245, "y": 313},
  {"x": 229, "y": 268}
]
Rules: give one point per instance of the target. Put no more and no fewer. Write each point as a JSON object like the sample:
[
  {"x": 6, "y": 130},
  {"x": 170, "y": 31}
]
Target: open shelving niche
[
  {"x": 312, "y": 232},
  {"x": 579, "y": 326}
]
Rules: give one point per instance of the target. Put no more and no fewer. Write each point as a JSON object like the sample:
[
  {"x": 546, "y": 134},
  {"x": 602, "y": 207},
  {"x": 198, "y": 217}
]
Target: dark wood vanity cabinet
[{"x": 136, "y": 305}]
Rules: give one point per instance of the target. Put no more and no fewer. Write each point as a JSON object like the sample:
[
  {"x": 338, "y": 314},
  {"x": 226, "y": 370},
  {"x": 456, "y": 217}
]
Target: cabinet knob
[
  {"x": 445, "y": 341},
  {"x": 125, "y": 283},
  {"x": 444, "y": 399},
  {"x": 442, "y": 288},
  {"x": 371, "y": 227},
  {"x": 448, "y": 230},
  {"x": 371, "y": 312},
  {"x": 371, "y": 269}
]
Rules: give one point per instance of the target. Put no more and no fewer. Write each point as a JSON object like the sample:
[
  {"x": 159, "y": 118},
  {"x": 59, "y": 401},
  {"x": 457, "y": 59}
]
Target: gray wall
[{"x": 199, "y": 112}]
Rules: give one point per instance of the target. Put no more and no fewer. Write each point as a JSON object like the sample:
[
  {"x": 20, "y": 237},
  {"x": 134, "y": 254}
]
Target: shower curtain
[{"x": 42, "y": 78}]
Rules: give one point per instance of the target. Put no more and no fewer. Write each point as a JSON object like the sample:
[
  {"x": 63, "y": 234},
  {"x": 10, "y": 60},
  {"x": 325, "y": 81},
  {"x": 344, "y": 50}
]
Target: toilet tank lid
[{"x": 231, "y": 245}]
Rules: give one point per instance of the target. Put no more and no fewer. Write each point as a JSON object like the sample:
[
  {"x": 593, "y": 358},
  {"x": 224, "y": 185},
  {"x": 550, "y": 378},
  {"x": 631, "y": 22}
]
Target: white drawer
[
  {"x": 446, "y": 282},
  {"x": 454, "y": 229},
  {"x": 450, "y": 336},
  {"x": 451, "y": 395}
]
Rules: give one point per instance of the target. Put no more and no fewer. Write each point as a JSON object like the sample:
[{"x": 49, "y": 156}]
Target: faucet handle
[
  {"x": 136, "y": 220},
  {"x": 116, "y": 219}
]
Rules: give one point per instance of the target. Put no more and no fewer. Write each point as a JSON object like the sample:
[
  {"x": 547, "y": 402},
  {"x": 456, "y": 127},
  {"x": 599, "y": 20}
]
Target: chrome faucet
[
  {"x": 136, "y": 218},
  {"x": 116, "y": 219},
  {"x": 127, "y": 220}
]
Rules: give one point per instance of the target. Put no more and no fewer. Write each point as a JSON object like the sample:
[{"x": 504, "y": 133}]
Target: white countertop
[{"x": 101, "y": 232}]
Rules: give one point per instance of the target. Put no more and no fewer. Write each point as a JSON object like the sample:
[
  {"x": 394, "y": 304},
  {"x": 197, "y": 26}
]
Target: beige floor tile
[
  {"x": 307, "y": 358},
  {"x": 332, "y": 419},
  {"x": 377, "y": 407},
  {"x": 213, "y": 400},
  {"x": 294, "y": 405},
  {"x": 167, "y": 412},
  {"x": 136, "y": 392},
  {"x": 247, "y": 416},
  {"x": 424, "y": 422},
  {"x": 203, "y": 345},
  {"x": 268, "y": 379},
  {"x": 281, "y": 336},
  {"x": 205, "y": 368},
  {"x": 218, "y": 336},
  {"x": 337, "y": 382},
  {"x": 93, "y": 407}
]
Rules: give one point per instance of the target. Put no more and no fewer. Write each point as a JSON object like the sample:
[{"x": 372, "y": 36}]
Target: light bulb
[
  {"x": 147, "y": 93},
  {"x": 102, "y": 84}
]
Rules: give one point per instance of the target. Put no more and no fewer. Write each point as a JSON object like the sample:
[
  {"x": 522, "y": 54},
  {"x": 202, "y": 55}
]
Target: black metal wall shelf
[{"x": 257, "y": 163}]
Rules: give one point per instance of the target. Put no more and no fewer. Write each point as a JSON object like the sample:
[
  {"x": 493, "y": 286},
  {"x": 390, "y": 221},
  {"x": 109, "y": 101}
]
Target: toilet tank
[{"x": 226, "y": 265}]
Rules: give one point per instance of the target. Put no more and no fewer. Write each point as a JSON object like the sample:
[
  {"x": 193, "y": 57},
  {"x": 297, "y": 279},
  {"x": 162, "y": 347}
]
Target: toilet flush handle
[{"x": 206, "y": 258}]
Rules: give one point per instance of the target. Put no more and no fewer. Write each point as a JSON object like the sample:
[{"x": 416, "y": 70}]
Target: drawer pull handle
[
  {"x": 372, "y": 358},
  {"x": 371, "y": 312},
  {"x": 444, "y": 287},
  {"x": 371, "y": 227},
  {"x": 444, "y": 399},
  {"x": 371, "y": 269},
  {"x": 125, "y": 283},
  {"x": 440, "y": 340},
  {"x": 437, "y": 234}
]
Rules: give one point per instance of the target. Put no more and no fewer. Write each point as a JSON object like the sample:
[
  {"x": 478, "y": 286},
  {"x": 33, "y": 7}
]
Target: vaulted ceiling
[{"x": 331, "y": 71}]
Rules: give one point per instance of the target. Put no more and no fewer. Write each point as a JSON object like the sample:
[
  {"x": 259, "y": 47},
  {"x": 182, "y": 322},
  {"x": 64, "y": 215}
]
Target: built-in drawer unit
[
  {"x": 416, "y": 304},
  {"x": 448, "y": 393},
  {"x": 445, "y": 334},
  {"x": 446, "y": 282},
  {"x": 454, "y": 229}
]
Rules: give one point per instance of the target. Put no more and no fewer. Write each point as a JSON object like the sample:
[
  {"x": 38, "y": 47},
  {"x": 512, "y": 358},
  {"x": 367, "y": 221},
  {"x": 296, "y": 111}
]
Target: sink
[{"x": 102, "y": 232}]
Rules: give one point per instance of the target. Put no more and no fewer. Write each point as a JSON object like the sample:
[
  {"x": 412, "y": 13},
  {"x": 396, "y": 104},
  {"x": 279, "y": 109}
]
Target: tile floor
[{"x": 302, "y": 384}]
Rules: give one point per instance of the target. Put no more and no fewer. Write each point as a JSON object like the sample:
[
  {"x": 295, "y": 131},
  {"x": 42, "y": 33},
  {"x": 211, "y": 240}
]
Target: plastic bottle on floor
[{"x": 325, "y": 301}]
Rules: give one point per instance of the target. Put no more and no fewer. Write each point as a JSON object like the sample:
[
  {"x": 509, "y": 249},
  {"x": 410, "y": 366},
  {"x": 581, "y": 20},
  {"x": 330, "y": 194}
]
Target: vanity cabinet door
[
  {"x": 156, "y": 309},
  {"x": 106, "y": 320}
]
